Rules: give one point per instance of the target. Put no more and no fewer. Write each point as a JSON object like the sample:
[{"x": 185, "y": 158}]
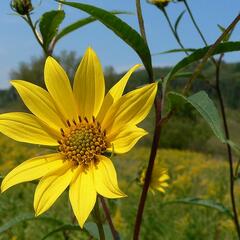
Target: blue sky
[{"x": 18, "y": 44}]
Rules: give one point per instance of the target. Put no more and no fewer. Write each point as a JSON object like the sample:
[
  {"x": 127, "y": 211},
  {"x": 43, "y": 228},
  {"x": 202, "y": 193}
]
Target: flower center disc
[{"x": 82, "y": 142}]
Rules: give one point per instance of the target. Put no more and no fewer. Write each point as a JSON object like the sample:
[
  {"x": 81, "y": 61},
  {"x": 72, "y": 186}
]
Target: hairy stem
[
  {"x": 229, "y": 151},
  {"x": 109, "y": 219}
]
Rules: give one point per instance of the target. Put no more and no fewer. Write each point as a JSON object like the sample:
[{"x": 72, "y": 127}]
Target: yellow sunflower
[
  {"x": 159, "y": 179},
  {"x": 83, "y": 124}
]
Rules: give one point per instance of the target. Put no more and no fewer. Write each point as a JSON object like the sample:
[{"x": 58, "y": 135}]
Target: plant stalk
[
  {"x": 155, "y": 142},
  {"x": 209, "y": 53},
  {"x": 109, "y": 219},
  {"x": 140, "y": 20},
  {"x": 232, "y": 175},
  {"x": 229, "y": 150},
  {"x": 156, "y": 138},
  {"x": 172, "y": 29},
  {"x": 98, "y": 221},
  {"x": 194, "y": 22},
  {"x": 30, "y": 23}
]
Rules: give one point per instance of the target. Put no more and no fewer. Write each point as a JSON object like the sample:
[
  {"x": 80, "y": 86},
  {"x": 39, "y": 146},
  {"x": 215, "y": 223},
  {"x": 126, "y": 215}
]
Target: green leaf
[
  {"x": 222, "y": 29},
  {"x": 93, "y": 230},
  {"x": 81, "y": 23},
  {"x": 25, "y": 217},
  {"x": 121, "y": 29},
  {"x": 204, "y": 203},
  {"x": 90, "y": 228},
  {"x": 187, "y": 74},
  {"x": 49, "y": 24},
  {"x": 62, "y": 228},
  {"x": 183, "y": 74},
  {"x": 178, "y": 21},
  {"x": 197, "y": 55},
  {"x": 205, "y": 106},
  {"x": 176, "y": 50},
  {"x": 234, "y": 146}
]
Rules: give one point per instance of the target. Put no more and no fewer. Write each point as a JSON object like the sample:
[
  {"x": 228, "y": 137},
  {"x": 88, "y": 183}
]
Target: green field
[{"x": 193, "y": 175}]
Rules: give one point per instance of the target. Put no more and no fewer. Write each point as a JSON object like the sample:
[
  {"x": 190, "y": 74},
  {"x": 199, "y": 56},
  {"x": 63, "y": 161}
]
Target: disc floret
[{"x": 81, "y": 142}]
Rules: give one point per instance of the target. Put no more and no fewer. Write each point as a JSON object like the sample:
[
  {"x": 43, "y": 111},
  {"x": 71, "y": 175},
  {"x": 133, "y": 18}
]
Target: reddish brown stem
[
  {"x": 153, "y": 154},
  {"x": 109, "y": 219}
]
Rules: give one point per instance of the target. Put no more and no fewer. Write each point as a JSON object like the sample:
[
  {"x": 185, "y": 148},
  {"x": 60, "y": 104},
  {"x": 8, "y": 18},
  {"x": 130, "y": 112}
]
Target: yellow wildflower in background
[
  {"x": 83, "y": 124},
  {"x": 159, "y": 179}
]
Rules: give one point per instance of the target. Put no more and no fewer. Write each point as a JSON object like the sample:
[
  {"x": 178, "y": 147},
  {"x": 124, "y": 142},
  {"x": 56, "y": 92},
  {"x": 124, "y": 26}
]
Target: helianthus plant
[
  {"x": 84, "y": 125},
  {"x": 159, "y": 179}
]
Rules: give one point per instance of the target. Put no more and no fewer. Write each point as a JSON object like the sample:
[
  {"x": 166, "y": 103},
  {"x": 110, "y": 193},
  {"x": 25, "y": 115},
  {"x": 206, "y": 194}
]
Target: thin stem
[
  {"x": 140, "y": 20},
  {"x": 30, "y": 23},
  {"x": 197, "y": 27},
  {"x": 156, "y": 137},
  {"x": 209, "y": 53},
  {"x": 229, "y": 151},
  {"x": 194, "y": 22},
  {"x": 109, "y": 219},
  {"x": 97, "y": 217},
  {"x": 172, "y": 29}
]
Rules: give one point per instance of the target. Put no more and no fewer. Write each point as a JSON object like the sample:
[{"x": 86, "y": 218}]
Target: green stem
[
  {"x": 140, "y": 20},
  {"x": 30, "y": 23},
  {"x": 172, "y": 29},
  {"x": 98, "y": 221},
  {"x": 194, "y": 22}
]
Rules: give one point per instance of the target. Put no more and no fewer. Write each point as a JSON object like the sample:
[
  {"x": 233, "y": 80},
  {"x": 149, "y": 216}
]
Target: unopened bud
[
  {"x": 160, "y": 3},
  {"x": 22, "y": 7}
]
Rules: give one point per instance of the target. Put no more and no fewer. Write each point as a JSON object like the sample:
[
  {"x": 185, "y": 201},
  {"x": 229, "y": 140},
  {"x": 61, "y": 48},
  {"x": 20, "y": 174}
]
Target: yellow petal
[
  {"x": 82, "y": 195},
  {"x": 160, "y": 189},
  {"x": 164, "y": 184},
  {"x": 40, "y": 103},
  {"x": 125, "y": 138},
  {"x": 89, "y": 85},
  {"x": 51, "y": 187},
  {"x": 130, "y": 109},
  {"x": 59, "y": 87},
  {"x": 24, "y": 127},
  {"x": 115, "y": 93},
  {"x": 164, "y": 177},
  {"x": 32, "y": 169},
  {"x": 105, "y": 179}
]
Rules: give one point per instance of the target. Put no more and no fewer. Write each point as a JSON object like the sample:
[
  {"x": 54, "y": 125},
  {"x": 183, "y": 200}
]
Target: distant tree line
[
  {"x": 33, "y": 72},
  {"x": 185, "y": 129}
]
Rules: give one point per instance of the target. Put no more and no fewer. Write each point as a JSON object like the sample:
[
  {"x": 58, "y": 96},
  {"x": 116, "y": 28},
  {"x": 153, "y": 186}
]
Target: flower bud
[
  {"x": 160, "y": 3},
  {"x": 22, "y": 7}
]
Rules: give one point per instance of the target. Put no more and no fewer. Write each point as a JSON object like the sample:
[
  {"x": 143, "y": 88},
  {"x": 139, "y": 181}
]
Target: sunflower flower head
[
  {"x": 83, "y": 124},
  {"x": 158, "y": 180}
]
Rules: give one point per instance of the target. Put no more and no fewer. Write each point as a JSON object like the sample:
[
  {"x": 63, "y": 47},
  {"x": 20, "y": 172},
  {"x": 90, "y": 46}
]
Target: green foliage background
[{"x": 193, "y": 174}]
